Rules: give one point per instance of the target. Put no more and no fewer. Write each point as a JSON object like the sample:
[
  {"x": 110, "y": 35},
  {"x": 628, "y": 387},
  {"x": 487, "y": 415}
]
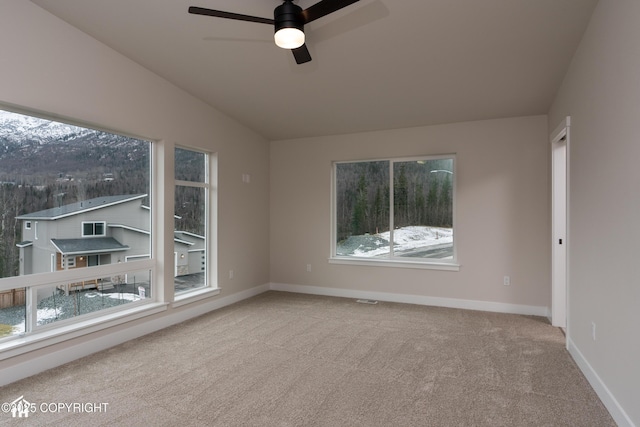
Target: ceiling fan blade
[
  {"x": 323, "y": 8},
  {"x": 301, "y": 54},
  {"x": 229, "y": 15}
]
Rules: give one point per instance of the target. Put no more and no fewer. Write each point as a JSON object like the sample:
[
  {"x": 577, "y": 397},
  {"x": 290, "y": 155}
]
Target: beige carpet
[{"x": 283, "y": 359}]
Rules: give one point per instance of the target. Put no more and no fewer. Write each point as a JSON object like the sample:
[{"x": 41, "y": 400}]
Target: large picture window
[
  {"x": 395, "y": 210},
  {"x": 76, "y": 207}
]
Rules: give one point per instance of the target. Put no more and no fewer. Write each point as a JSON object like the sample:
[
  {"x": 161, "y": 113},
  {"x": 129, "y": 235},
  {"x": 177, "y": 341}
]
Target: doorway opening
[{"x": 559, "y": 227}]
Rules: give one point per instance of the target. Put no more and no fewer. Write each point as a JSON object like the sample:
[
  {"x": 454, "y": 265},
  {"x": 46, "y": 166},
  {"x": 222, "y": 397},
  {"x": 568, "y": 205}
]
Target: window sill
[
  {"x": 396, "y": 263},
  {"x": 192, "y": 296},
  {"x": 37, "y": 340}
]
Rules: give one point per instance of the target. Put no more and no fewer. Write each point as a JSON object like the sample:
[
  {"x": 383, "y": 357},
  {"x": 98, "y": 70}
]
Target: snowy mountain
[
  {"x": 32, "y": 146},
  {"x": 20, "y": 129}
]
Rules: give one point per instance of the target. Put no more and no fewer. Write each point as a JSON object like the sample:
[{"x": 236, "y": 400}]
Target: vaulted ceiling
[{"x": 377, "y": 64}]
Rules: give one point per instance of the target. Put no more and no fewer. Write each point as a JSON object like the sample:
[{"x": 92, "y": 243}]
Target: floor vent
[{"x": 367, "y": 301}]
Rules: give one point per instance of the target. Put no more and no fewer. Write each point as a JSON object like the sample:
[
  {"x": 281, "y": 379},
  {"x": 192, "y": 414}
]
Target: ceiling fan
[{"x": 288, "y": 21}]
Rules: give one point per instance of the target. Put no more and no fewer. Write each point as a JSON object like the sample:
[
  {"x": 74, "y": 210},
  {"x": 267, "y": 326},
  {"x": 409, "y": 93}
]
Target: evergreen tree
[
  {"x": 432, "y": 202},
  {"x": 401, "y": 199},
  {"x": 445, "y": 208},
  {"x": 358, "y": 221},
  {"x": 378, "y": 210},
  {"x": 420, "y": 207}
]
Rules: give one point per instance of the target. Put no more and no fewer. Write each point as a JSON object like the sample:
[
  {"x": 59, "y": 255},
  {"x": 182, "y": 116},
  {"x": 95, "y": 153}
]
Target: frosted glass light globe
[{"x": 289, "y": 38}]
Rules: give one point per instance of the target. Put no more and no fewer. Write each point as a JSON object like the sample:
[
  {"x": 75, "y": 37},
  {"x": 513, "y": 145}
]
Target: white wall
[
  {"x": 503, "y": 211},
  {"x": 51, "y": 67},
  {"x": 601, "y": 93}
]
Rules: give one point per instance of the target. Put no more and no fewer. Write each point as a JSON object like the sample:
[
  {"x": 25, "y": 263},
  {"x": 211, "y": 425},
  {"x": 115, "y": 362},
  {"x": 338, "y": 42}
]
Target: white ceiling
[{"x": 377, "y": 64}]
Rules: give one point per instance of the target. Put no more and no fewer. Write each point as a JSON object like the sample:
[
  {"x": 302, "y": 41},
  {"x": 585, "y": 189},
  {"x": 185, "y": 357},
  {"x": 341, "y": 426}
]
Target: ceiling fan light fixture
[
  {"x": 289, "y": 33},
  {"x": 288, "y": 21},
  {"x": 289, "y": 38}
]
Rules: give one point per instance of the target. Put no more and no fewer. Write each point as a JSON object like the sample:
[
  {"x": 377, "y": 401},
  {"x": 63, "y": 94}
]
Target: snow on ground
[
  {"x": 116, "y": 295},
  {"x": 45, "y": 315},
  {"x": 406, "y": 239},
  {"x": 18, "y": 329},
  {"x": 59, "y": 307}
]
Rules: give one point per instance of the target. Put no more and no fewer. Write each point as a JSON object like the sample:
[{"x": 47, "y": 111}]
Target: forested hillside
[{"x": 422, "y": 195}]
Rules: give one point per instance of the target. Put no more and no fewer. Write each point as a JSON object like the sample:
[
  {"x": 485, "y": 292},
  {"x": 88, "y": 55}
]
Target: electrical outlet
[
  {"x": 507, "y": 281},
  {"x": 593, "y": 330},
  {"x": 230, "y": 274},
  {"x": 308, "y": 268}
]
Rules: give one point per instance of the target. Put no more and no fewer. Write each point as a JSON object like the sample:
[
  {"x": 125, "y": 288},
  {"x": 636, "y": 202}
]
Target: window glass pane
[
  {"x": 362, "y": 209},
  {"x": 12, "y": 312},
  {"x": 99, "y": 229},
  {"x": 55, "y": 177},
  {"x": 190, "y": 238},
  {"x": 423, "y": 208},
  {"x": 189, "y": 165},
  {"x": 87, "y": 229},
  {"x": 75, "y": 299}
]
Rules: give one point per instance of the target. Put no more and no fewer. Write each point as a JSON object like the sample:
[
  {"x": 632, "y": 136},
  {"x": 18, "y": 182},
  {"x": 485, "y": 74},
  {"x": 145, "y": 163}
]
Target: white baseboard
[
  {"x": 608, "y": 399},
  {"x": 498, "y": 307},
  {"x": 33, "y": 365}
]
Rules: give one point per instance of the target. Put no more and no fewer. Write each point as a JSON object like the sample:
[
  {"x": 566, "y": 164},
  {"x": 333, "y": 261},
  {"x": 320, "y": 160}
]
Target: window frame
[
  {"x": 38, "y": 336},
  {"x": 394, "y": 261},
  {"x": 209, "y": 184},
  {"x": 94, "y": 223}
]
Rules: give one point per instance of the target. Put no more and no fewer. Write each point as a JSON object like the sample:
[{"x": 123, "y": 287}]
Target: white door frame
[{"x": 560, "y": 224}]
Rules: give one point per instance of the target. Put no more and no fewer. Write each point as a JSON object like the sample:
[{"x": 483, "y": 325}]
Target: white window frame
[
  {"x": 27, "y": 225},
  {"x": 40, "y": 336},
  {"x": 210, "y": 185},
  {"x": 104, "y": 228},
  {"x": 395, "y": 261}
]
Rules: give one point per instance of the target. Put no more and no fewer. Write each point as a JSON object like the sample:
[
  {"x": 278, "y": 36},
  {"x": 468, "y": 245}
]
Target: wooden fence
[{"x": 12, "y": 298}]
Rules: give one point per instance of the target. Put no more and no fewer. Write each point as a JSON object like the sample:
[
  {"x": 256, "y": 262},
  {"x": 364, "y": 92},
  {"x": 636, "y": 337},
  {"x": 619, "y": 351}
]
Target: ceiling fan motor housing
[{"x": 288, "y": 15}]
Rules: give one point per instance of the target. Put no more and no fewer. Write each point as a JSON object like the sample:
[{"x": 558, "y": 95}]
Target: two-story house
[{"x": 103, "y": 230}]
